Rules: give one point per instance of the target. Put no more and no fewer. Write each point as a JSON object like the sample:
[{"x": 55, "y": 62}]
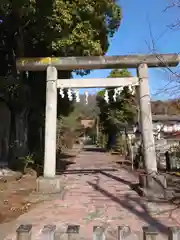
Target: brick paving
[{"x": 97, "y": 191}]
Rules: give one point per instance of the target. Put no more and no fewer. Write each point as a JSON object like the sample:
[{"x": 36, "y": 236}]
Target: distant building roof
[{"x": 166, "y": 117}]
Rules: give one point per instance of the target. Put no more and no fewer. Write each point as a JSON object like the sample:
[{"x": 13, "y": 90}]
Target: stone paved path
[{"x": 100, "y": 197}]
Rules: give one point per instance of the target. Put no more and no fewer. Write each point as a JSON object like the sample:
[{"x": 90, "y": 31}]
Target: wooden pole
[{"x": 146, "y": 120}]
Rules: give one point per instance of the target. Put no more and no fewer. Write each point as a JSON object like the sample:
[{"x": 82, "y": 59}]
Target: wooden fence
[{"x": 49, "y": 232}]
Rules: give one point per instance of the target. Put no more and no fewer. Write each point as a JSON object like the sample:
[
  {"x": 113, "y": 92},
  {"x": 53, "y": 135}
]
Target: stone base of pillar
[
  {"x": 154, "y": 187},
  {"x": 49, "y": 185}
]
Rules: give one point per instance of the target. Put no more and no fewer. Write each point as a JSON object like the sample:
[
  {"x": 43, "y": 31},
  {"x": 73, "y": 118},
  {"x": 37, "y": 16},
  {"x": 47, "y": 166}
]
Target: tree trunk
[
  {"x": 35, "y": 135},
  {"x": 21, "y": 133},
  {"x": 19, "y": 146},
  {"x": 127, "y": 143},
  {"x": 111, "y": 141},
  {"x": 5, "y": 124}
]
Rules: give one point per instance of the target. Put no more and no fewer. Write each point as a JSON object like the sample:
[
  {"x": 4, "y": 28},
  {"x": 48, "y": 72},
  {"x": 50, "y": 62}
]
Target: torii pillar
[
  {"x": 146, "y": 120},
  {"x": 153, "y": 184},
  {"x": 49, "y": 182},
  {"x": 50, "y": 123}
]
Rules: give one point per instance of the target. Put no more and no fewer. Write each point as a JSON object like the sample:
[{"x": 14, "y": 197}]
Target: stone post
[
  {"x": 24, "y": 232},
  {"x": 50, "y": 123},
  {"x": 146, "y": 120}
]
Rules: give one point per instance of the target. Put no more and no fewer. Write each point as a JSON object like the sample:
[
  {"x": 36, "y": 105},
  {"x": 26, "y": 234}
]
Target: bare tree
[
  {"x": 171, "y": 76},
  {"x": 174, "y": 4}
]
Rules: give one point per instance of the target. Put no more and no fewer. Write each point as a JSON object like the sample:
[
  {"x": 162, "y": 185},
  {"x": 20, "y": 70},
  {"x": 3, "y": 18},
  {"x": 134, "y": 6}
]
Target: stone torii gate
[{"x": 52, "y": 65}]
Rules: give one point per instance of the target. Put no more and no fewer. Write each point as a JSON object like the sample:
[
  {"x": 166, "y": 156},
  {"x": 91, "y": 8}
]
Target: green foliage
[
  {"x": 115, "y": 116},
  {"x": 60, "y": 28},
  {"x": 89, "y": 111},
  {"x": 27, "y": 161},
  {"x": 71, "y": 121},
  {"x": 115, "y": 73},
  {"x": 68, "y": 28},
  {"x": 53, "y": 28},
  {"x": 68, "y": 129}
]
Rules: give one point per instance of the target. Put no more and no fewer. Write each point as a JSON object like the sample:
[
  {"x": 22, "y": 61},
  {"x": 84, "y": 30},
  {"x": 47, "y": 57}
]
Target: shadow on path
[
  {"x": 86, "y": 171},
  {"x": 63, "y": 160},
  {"x": 93, "y": 149},
  {"x": 121, "y": 180},
  {"x": 128, "y": 202},
  {"x": 134, "y": 186}
]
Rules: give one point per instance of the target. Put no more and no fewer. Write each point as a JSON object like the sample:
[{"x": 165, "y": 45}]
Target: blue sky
[{"x": 140, "y": 17}]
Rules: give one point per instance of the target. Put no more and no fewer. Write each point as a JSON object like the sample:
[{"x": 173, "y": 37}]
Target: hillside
[
  {"x": 169, "y": 107},
  {"x": 89, "y": 110}
]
